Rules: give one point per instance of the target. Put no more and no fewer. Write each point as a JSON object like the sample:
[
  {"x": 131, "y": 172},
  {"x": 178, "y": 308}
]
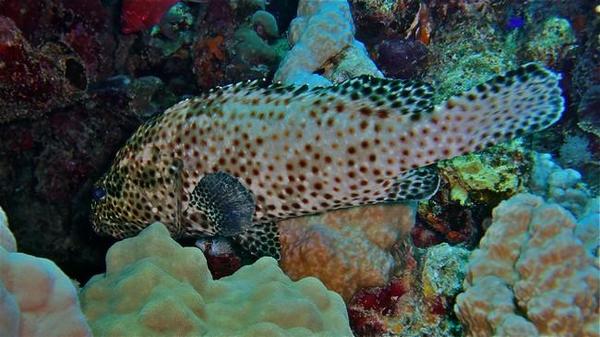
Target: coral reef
[
  {"x": 34, "y": 81},
  {"x": 440, "y": 219},
  {"x": 460, "y": 62},
  {"x": 221, "y": 258},
  {"x": 166, "y": 298},
  {"x": 550, "y": 42},
  {"x": 488, "y": 177},
  {"x": 83, "y": 26},
  {"x": 346, "y": 249},
  {"x": 417, "y": 301},
  {"x": 531, "y": 275},
  {"x": 574, "y": 151},
  {"x": 257, "y": 49},
  {"x": 588, "y": 227},
  {"x": 65, "y": 112},
  {"x": 48, "y": 167},
  {"x": 174, "y": 30},
  {"x": 562, "y": 186},
  {"x": 323, "y": 40},
  {"x": 472, "y": 185},
  {"x": 401, "y": 58},
  {"x": 238, "y": 41},
  {"x": 36, "y": 298}
]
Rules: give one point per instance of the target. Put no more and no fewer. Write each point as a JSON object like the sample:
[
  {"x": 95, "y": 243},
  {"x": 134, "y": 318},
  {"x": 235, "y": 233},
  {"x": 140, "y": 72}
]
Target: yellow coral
[{"x": 479, "y": 177}]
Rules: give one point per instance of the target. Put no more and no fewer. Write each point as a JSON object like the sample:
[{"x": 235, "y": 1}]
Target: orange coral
[{"x": 346, "y": 249}]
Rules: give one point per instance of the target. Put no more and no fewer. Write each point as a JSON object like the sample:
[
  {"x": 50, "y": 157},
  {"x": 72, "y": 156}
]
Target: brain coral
[
  {"x": 36, "y": 298},
  {"x": 531, "y": 275},
  {"x": 154, "y": 287},
  {"x": 346, "y": 249}
]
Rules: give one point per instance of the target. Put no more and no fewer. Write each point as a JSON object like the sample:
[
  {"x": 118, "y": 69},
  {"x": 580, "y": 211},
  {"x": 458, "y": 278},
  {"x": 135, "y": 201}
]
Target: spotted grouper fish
[{"x": 237, "y": 160}]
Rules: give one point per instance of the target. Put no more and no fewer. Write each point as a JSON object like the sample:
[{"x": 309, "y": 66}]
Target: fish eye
[{"x": 98, "y": 193}]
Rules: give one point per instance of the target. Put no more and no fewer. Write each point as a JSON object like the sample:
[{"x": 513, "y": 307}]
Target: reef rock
[
  {"x": 154, "y": 287},
  {"x": 35, "y": 80}
]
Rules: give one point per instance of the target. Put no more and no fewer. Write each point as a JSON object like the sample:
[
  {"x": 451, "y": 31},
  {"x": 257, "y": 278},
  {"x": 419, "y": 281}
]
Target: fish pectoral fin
[
  {"x": 417, "y": 184},
  {"x": 261, "y": 239},
  {"x": 226, "y": 202}
]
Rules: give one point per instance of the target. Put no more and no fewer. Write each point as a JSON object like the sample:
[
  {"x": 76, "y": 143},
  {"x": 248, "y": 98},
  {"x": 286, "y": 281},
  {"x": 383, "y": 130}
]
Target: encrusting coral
[
  {"x": 36, "y": 298},
  {"x": 531, "y": 275},
  {"x": 154, "y": 287},
  {"x": 346, "y": 249}
]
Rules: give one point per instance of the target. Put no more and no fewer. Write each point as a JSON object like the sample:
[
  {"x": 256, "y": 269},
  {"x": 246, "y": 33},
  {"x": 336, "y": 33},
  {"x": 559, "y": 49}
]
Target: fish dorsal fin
[
  {"x": 399, "y": 96},
  {"x": 409, "y": 98}
]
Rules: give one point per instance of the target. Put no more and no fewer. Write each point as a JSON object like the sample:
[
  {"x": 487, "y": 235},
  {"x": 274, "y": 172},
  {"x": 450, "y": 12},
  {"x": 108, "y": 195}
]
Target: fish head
[
  {"x": 133, "y": 194},
  {"x": 110, "y": 214}
]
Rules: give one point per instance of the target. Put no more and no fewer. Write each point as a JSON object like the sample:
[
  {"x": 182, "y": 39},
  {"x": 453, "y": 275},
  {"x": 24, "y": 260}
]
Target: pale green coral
[{"x": 155, "y": 287}]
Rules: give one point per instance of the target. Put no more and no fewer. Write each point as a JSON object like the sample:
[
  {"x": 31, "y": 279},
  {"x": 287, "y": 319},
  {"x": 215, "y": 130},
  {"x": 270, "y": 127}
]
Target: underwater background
[{"x": 507, "y": 246}]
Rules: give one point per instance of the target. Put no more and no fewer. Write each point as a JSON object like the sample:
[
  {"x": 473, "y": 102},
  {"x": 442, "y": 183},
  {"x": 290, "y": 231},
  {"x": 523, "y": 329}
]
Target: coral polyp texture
[
  {"x": 323, "y": 38},
  {"x": 531, "y": 275},
  {"x": 346, "y": 249},
  {"x": 154, "y": 287},
  {"x": 36, "y": 298}
]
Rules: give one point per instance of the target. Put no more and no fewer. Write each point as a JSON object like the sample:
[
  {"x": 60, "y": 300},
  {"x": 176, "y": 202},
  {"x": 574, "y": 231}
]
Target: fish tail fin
[{"x": 524, "y": 100}]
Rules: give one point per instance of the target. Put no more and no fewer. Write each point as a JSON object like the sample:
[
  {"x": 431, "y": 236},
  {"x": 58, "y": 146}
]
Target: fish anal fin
[{"x": 261, "y": 239}]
